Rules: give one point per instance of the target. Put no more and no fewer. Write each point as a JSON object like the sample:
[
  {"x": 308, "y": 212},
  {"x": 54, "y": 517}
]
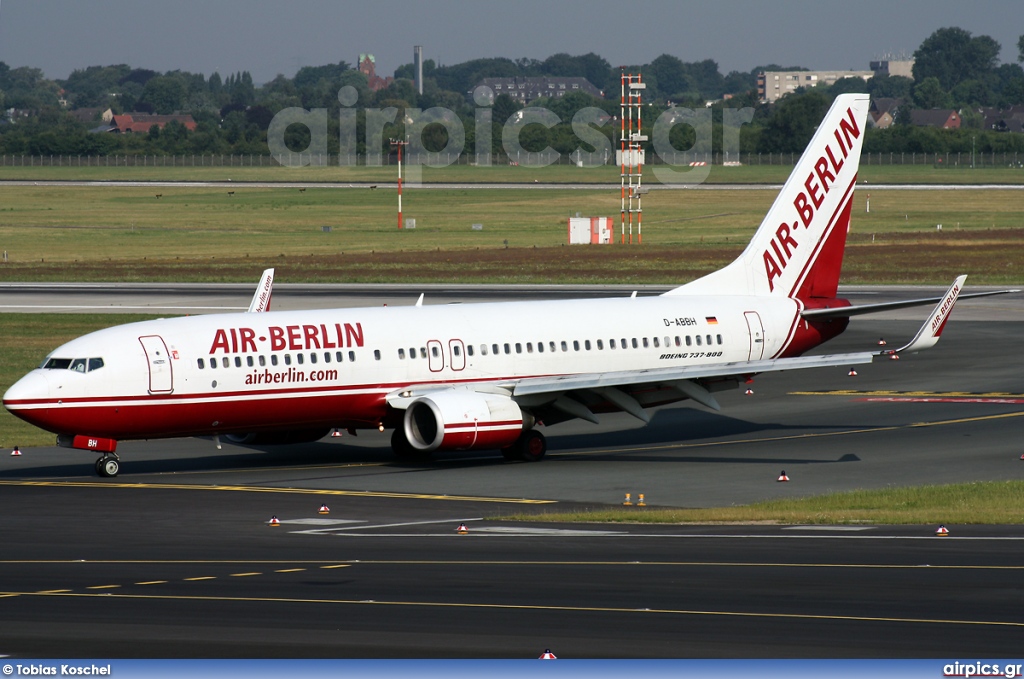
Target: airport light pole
[{"x": 399, "y": 144}]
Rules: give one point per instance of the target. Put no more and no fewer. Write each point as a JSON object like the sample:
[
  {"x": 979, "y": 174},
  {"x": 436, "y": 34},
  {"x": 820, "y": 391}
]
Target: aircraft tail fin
[{"x": 798, "y": 249}]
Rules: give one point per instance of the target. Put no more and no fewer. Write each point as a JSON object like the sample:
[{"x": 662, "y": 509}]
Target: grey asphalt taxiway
[{"x": 175, "y": 557}]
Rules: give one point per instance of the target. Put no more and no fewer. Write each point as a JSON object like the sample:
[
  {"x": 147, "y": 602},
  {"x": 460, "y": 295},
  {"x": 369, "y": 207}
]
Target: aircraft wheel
[
  {"x": 532, "y": 446},
  {"x": 108, "y": 466},
  {"x": 99, "y": 466}
]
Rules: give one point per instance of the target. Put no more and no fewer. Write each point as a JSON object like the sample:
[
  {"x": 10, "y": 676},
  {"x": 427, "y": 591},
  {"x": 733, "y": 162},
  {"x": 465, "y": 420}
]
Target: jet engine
[{"x": 462, "y": 419}]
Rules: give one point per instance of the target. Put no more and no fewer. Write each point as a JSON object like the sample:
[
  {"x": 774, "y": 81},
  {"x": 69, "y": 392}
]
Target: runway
[{"x": 175, "y": 558}]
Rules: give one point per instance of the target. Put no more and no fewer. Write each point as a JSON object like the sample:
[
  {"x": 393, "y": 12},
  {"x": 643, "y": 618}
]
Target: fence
[{"x": 954, "y": 160}]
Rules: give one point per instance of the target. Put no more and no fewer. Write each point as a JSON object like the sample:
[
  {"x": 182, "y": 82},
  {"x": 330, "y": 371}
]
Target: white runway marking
[{"x": 831, "y": 528}]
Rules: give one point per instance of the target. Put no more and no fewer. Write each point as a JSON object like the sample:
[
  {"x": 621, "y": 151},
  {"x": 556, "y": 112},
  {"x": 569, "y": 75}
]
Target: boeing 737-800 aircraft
[{"x": 478, "y": 376}]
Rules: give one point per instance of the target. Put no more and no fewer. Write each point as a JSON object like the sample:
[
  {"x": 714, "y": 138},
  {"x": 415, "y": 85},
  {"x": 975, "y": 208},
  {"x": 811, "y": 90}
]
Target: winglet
[
  {"x": 929, "y": 333},
  {"x": 261, "y": 300}
]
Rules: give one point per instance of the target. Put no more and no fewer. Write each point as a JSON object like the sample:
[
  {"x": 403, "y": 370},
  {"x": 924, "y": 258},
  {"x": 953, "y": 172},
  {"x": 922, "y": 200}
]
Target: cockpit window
[{"x": 79, "y": 365}]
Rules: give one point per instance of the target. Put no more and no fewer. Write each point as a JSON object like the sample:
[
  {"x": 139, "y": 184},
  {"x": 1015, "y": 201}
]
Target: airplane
[{"x": 480, "y": 376}]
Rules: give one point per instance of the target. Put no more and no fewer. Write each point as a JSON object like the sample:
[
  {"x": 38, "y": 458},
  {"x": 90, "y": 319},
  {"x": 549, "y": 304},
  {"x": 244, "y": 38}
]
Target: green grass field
[
  {"x": 870, "y": 171},
  {"x": 965, "y": 503},
  {"x": 190, "y": 233}
]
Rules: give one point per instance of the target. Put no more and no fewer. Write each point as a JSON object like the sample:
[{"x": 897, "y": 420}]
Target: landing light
[{"x": 406, "y": 394}]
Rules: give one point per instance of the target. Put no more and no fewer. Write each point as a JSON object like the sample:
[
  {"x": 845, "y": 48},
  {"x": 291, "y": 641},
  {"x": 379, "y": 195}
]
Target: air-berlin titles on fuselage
[
  {"x": 288, "y": 338},
  {"x": 825, "y": 170}
]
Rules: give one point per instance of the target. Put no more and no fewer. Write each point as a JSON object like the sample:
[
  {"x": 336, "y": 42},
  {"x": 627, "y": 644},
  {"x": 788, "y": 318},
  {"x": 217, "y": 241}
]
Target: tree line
[{"x": 953, "y": 69}]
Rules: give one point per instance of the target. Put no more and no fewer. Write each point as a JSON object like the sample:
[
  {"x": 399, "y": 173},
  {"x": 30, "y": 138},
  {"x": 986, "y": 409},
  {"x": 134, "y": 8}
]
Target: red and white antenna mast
[
  {"x": 399, "y": 145},
  {"x": 631, "y": 154}
]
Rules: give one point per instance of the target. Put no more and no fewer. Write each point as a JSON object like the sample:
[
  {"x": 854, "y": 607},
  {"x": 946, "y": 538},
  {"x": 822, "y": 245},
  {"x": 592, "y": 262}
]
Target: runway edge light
[
  {"x": 324, "y": 509},
  {"x": 942, "y": 531},
  {"x": 274, "y": 521},
  {"x": 16, "y": 452},
  {"x": 462, "y": 530}
]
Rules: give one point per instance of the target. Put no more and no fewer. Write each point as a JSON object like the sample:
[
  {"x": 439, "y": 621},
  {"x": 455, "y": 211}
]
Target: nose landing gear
[{"x": 108, "y": 465}]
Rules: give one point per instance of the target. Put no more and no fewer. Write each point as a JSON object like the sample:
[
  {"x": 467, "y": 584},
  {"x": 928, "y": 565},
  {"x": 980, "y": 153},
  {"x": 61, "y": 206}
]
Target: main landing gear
[
  {"x": 530, "y": 446},
  {"x": 108, "y": 465}
]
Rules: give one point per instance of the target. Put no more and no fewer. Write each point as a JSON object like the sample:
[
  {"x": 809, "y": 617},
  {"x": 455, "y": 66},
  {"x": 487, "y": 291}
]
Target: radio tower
[{"x": 631, "y": 155}]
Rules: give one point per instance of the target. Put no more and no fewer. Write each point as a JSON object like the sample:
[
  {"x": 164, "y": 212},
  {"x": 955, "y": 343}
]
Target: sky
[{"x": 268, "y": 37}]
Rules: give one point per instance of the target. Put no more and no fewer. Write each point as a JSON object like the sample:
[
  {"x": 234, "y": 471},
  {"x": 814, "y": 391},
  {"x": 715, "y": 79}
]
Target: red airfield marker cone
[
  {"x": 16, "y": 452},
  {"x": 335, "y": 433},
  {"x": 942, "y": 531},
  {"x": 881, "y": 341},
  {"x": 749, "y": 392},
  {"x": 782, "y": 477},
  {"x": 462, "y": 530},
  {"x": 324, "y": 509},
  {"x": 274, "y": 522},
  {"x": 547, "y": 655},
  {"x": 852, "y": 373}
]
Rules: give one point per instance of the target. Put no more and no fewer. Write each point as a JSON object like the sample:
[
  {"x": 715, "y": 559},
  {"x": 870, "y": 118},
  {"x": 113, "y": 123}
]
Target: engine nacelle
[{"x": 462, "y": 419}]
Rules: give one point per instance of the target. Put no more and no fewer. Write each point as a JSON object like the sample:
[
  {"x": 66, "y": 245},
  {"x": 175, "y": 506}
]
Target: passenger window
[
  {"x": 213, "y": 363},
  {"x": 576, "y": 345},
  {"x": 238, "y": 361},
  {"x": 434, "y": 352},
  {"x": 376, "y": 354},
  {"x": 668, "y": 341},
  {"x": 565, "y": 347},
  {"x": 456, "y": 350},
  {"x": 688, "y": 342},
  {"x": 97, "y": 363},
  {"x": 611, "y": 344},
  {"x": 401, "y": 354},
  {"x": 423, "y": 352},
  {"x": 483, "y": 349},
  {"x": 529, "y": 347},
  {"x": 519, "y": 348},
  {"x": 698, "y": 340},
  {"x": 351, "y": 356},
  {"x": 201, "y": 363},
  {"x": 300, "y": 359},
  {"x": 273, "y": 359},
  {"x": 337, "y": 356},
  {"x": 678, "y": 341},
  {"x": 540, "y": 347},
  {"x": 312, "y": 358},
  {"x": 249, "y": 362},
  {"x": 719, "y": 338},
  {"x": 586, "y": 345},
  {"x": 635, "y": 345},
  {"x": 624, "y": 344},
  {"x": 287, "y": 359},
  {"x": 646, "y": 345},
  {"x": 469, "y": 349},
  {"x": 551, "y": 346},
  {"x": 494, "y": 349},
  {"x": 656, "y": 345},
  {"x": 709, "y": 340},
  {"x": 508, "y": 348},
  {"x": 600, "y": 345},
  {"x": 327, "y": 357},
  {"x": 224, "y": 362},
  {"x": 263, "y": 360}
]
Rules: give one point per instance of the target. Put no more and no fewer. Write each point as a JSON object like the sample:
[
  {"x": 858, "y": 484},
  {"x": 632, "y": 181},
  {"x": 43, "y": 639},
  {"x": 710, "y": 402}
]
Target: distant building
[
  {"x": 772, "y": 85},
  {"x": 1010, "y": 120},
  {"x": 937, "y": 117},
  {"x": 524, "y": 90},
  {"x": 135, "y": 123},
  {"x": 368, "y": 67},
  {"x": 88, "y": 115},
  {"x": 883, "y": 110},
  {"x": 901, "y": 67}
]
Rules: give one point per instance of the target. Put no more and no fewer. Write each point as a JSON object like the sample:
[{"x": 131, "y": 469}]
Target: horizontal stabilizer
[{"x": 848, "y": 311}]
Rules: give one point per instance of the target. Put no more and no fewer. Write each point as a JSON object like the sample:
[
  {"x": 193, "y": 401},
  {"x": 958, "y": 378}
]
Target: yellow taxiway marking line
[
  {"x": 289, "y": 570},
  {"x": 268, "y": 489},
  {"x": 152, "y": 582},
  {"x": 547, "y": 608},
  {"x": 788, "y": 437},
  {"x": 915, "y": 394},
  {"x": 339, "y": 565},
  {"x": 54, "y": 591},
  {"x": 202, "y": 577},
  {"x": 104, "y": 587},
  {"x": 244, "y": 575}
]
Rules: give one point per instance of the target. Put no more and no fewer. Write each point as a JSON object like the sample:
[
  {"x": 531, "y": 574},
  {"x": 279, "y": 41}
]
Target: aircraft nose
[{"x": 32, "y": 387}]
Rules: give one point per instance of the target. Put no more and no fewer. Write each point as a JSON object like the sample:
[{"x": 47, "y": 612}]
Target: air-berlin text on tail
[
  {"x": 289, "y": 337},
  {"x": 940, "y": 317},
  {"x": 817, "y": 185}
]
